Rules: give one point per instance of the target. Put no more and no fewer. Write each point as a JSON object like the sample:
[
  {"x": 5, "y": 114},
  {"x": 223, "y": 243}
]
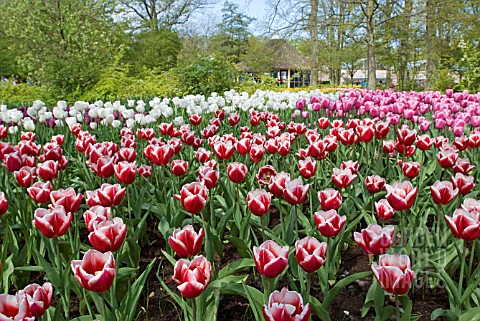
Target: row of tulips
[{"x": 237, "y": 171}]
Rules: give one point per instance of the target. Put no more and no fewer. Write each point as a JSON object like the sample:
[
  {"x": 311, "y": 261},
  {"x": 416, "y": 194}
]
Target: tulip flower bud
[
  {"x": 96, "y": 271},
  {"x": 270, "y": 258},
  {"x": 394, "y": 273},
  {"x": 374, "y": 239},
  {"x": 192, "y": 277},
  {"x": 286, "y": 305},
  {"x": 310, "y": 253},
  {"x": 186, "y": 242}
]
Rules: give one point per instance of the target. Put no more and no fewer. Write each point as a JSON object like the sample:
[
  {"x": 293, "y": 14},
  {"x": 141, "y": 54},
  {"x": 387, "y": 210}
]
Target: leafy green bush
[
  {"x": 24, "y": 94},
  {"x": 205, "y": 75}
]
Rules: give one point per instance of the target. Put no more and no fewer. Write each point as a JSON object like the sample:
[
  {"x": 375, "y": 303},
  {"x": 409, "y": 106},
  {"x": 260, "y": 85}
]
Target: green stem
[
  {"x": 309, "y": 284},
  {"x": 397, "y": 305},
  {"x": 194, "y": 309},
  {"x": 462, "y": 269},
  {"x": 103, "y": 307},
  {"x": 472, "y": 255}
]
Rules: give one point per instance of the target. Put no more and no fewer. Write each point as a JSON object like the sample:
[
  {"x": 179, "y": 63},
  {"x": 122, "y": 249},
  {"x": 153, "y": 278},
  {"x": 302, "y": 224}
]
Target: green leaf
[
  {"x": 52, "y": 273},
  {"x": 236, "y": 266},
  {"x": 131, "y": 299},
  {"x": 318, "y": 309},
  {"x": 444, "y": 314},
  {"x": 332, "y": 294},
  {"x": 470, "y": 315},
  {"x": 255, "y": 298},
  {"x": 242, "y": 247},
  {"x": 7, "y": 268},
  {"x": 407, "y": 308}
]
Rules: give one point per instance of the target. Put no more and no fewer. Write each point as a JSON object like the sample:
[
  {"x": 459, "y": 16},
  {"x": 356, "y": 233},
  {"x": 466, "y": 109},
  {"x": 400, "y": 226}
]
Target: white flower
[
  {"x": 93, "y": 125},
  {"x": 130, "y": 123},
  {"x": 93, "y": 113},
  {"x": 13, "y": 130},
  {"x": 71, "y": 121},
  {"x": 116, "y": 123},
  {"x": 28, "y": 124},
  {"x": 62, "y": 104},
  {"x": 178, "y": 121},
  {"x": 131, "y": 103}
]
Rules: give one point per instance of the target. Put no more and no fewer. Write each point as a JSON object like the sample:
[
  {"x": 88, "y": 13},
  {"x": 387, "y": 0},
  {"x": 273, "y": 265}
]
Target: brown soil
[{"x": 156, "y": 305}]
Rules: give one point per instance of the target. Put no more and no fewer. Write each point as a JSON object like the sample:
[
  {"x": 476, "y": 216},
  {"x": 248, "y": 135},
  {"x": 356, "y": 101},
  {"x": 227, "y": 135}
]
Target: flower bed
[{"x": 337, "y": 206}]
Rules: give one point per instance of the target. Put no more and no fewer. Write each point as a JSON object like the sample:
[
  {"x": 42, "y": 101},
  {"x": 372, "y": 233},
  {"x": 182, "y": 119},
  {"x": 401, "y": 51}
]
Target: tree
[
  {"x": 155, "y": 50},
  {"x": 259, "y": 56},
  {"x": 157, "y": 14},
  {"x": 233, "y": 33},
  {"x": 64, "y": 43}
]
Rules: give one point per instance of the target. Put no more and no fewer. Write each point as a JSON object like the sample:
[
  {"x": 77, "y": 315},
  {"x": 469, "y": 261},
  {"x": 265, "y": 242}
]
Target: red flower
[
  {"x": 166, "y": 129},
  {"x": 411, "y": 169},
  {"x": 195, "y": 119},
  {"x": 462, "y": 165},
  {"x": 48, "y": 170},
  {"x": 158, "y": 155},
  {"x": 424, "y": 142},
  {"x": 179, "y": 167},
  {"x": 233, "y": 119},
  {"x": 256, "y": 153},
  {"x": 108, "y": 235},
  {"x": 38, "y": 297},
  {"x": 125, "y": 172},
  {"x": 258, "y": 201},
  {"x": 343, "y": 178},
  {"x": 384, "y": 210},
  {"x": 316, "y": 149},
  {"x": 464, "y": 224},
  {"x": 26, "y": 176},
  {"x": 186, "y": 242},
  {"x": 443, "y": 192},
  {"x": 447, "y": 158},
  {"x": 401, "y": 196},
  {"x": 224, "y": 150},
  {"x": 381, "y": 129},
  {"x": 103, "y": 167},
  {"x": 40, "y": 192},
  {"x": 96, "y": 214},
  {"x": 237, "y": 172},
  {"x": 14, "y": 307},
  {"x": 96, "y": 271},
  {"x": 374, "y": 184},
  {"x": 365, "y": 133},
  {"x": 202, "y": 155},
  {"x": 110, "y": 195},
  {"x": 394, "y": 273},
  {"x": 330, "y": 199},
  {"x": 351, "y": 165},
  {"x": 264, "y": 175},
  {"x": 286, "y": 306},
  {"x": 192, "y": 277},
  {"x": 67, "y": 198},
  {"x": 307, "y": 167},
  {"x": 329, "y": 223},
  {"x": 270, "y": 258},
  {"x": 406, "y": 136},
  {"x": 3, "y": 204},
  {"x": 323, "y": 123},
  {"x": 52, "y": 222},
  {"x": 277, "y": 183},
  {"x": 347, "y": 137},
  {"x": 295, "y": 192},
  {"x": 193, "y": 197},
  {"x": 144, "y": 171},
  {"x": 310, "y": 253},
  {"x": 388, "y": 146},
  {"x": 464, "y": 183},
  {"x": 208, "y": 176},
  {"x": 127, "y": 154},
  {"x": 374, "y": 239}
]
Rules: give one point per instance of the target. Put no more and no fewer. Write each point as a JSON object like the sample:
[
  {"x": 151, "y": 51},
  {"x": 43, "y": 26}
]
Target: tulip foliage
[{"x": 263, "y": 197}]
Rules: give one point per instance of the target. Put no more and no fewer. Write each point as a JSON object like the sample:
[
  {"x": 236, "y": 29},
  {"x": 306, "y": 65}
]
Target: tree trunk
[
  {"x": 313, "y": 28},
  {"x": 404, "y": 48},
  {"x": 372, "y": 65},
  {"x": 430, "y": 41}
]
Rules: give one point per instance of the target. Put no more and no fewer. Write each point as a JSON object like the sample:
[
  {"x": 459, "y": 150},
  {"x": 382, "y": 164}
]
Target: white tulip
[{"x": 93, "y": 125}]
